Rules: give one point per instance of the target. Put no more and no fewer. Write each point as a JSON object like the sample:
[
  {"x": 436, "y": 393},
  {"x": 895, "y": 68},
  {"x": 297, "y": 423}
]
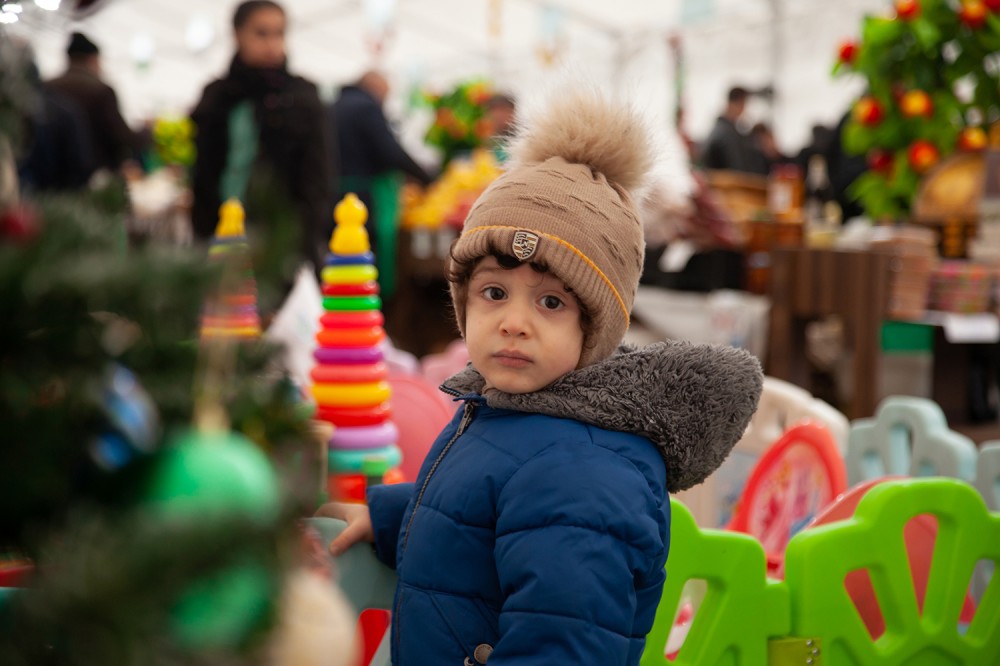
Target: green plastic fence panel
[
  {"x": 740, "y": 610},
  {"x": 818, "y": 560},
  {"x": 908, "y": 437}
]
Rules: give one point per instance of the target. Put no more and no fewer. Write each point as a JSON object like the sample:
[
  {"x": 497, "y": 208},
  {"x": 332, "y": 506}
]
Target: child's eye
[
  {"x": 551, "y": 302},
  {"x": 494, "y": 293}
]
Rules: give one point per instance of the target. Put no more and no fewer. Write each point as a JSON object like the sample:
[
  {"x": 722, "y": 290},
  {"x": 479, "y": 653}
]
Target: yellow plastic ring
[
  {"x": 349, "y": 274},
  {"x": 351, "y": 395}
]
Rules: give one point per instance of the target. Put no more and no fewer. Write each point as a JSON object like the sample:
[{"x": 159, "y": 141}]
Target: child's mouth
[{"x": 511, "y": 359}]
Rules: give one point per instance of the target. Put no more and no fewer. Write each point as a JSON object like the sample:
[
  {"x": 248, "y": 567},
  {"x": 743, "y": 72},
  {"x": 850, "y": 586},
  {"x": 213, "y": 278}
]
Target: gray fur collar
[{"x": 692, "y": 401}]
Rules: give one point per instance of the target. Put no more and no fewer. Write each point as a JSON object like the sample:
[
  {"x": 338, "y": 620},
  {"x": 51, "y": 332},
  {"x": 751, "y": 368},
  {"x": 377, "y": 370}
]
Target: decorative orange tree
[{"x": 933, "y": 76}]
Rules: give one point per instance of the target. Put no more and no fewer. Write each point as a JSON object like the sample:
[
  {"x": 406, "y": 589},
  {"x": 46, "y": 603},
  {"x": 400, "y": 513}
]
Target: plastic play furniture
[
  {"x": 366, "y": 582},
  {"x": 738, "y": 617},
  {"x": 910, "y": 437},
  {"x": 988, "y": 474},
  {"x": 819, "y": 560},
  {"x": 988, "y": 484},
  {"x": 420, "y": 412},
  {"x": 795, "y": 479},
  {"x": 919, "y": 535},
  {"x": 739, "y": 610},
  {"x": 782, "y": 405}
]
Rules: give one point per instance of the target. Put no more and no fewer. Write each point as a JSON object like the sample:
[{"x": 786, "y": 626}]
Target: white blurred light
[
  {"x": 199, "y": 34},
  {"x": 13, "y": 8},
  {"x": 379, "y": 13},
  {"x": 50, "y": 5},
  {"x": 7, "y": 18},
  {"x": 142, "y": 49}
]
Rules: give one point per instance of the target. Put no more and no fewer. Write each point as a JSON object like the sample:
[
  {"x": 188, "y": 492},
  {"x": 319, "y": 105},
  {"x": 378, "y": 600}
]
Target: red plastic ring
[
  {"x": 362, "y": 319},
  {"x": 363, "y": 289},
  {"x": 346, "y": 417}
]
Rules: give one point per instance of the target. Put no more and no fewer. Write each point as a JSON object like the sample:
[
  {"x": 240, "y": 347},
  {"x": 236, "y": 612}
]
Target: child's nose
[{"x": 516, "y": 320}]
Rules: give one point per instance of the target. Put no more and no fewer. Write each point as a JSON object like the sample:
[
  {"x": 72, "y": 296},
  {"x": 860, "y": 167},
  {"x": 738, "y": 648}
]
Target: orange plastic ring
[{"x": 351, "y": 337}]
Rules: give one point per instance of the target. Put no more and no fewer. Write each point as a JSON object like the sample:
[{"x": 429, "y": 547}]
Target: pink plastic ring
[
  {"x": 368, "y": 437},
  {"x": 334, "y": 355}
]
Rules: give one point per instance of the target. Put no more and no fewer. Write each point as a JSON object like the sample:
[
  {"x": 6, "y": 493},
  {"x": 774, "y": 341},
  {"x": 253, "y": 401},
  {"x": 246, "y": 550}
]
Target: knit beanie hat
[{"x": 565, "y": 202}]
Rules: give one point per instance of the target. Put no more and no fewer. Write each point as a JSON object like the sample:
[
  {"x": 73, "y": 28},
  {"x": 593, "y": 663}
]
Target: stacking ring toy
[
  {"x": 358, "y": 274},
  {"x": 363, "y": 289},
  {"x": 374, "y": 462},
  {"x": 237, "y": 321},
  {"x": 354, "y": 417},
  {"x": 357, "y": 373},
  {"x": 351, "y": 337},
  {"x": 226, "y": 332},
  {"x": 350, "y": 259},
  {"x": 351, "y": 303},
  {"x": 245, "y": 300},
  {"x": 351, "y": 395},
  {"x": 369, "y": 437},
  {"x": 335, "y": 355},
  {"x": 359, "y": 319}
]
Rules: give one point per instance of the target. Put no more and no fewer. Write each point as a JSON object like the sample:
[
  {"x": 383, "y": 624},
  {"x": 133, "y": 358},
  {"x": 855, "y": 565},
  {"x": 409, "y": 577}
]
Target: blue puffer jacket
[{"x": 538, "y": 529}]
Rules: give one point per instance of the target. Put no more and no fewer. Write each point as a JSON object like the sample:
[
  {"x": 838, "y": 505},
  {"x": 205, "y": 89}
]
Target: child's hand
[{"x": 359, "y": 524}]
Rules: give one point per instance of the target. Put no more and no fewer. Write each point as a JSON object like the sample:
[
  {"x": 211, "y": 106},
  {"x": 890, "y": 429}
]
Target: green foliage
[
  {"x": 74, "y": 299},
  {"x": 936, "y": 52},
  {"x": 459, "y": 121},
  {"x": 113, "y": 584}
]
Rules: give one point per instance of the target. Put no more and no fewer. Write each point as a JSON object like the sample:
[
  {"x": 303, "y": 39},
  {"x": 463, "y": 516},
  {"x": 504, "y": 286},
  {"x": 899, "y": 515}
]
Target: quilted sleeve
[
  {"x": 580, "y": 549},
  {"x": 386, "y": 505}
]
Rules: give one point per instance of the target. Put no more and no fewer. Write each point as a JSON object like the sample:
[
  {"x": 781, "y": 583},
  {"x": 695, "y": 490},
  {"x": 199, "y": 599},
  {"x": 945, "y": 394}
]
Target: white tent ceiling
[{"x": 619, "y": 43}]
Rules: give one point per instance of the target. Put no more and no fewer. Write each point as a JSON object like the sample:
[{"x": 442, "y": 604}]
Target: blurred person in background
[
  {"x": 764, "y": 142},
  {"x": 261, "y": 139},
  {"x": 501, "y": 114},
  {"x": 112, "y": 143},
  {"x": 727, "y": 147},
  {"x": 367, "y": 148},
  {"x": 369, "y": 161},
  {"x": 52, "y": 138}
]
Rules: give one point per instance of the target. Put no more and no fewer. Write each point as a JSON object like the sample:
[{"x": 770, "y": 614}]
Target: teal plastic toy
[
  {"x": 988, "y": 474},
  {"x": 818, "y": 560},
  {"x": 366, "y": 582},
  {"x": 908, "y": 437}
]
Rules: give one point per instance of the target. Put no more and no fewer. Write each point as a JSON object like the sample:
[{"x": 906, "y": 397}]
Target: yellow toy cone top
[
  {"x": 231, "y": 217},
  {"x": 350, "y": 236}
]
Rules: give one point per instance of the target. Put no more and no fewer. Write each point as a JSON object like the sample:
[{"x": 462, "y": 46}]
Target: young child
[{"x": 538, "y": 529}]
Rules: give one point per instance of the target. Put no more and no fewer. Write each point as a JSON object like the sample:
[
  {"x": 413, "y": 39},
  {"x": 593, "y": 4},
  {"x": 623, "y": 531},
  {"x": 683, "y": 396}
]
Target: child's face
[{"x": 522, "y": 327}]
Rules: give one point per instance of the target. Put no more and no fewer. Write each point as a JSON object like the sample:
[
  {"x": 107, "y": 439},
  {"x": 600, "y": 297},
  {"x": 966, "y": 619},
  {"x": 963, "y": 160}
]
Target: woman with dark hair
[{"x": 261, "y": 139}]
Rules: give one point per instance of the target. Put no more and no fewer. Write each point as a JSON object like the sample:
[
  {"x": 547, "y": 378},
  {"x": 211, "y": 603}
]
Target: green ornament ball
[
  {"x": 218, "y": 611},
  {"x": 203, "y": 476},
  {"x": 214, "y": 473}
]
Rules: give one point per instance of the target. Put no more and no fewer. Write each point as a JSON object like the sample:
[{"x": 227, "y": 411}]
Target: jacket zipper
[{"x": 467, "y": 413}]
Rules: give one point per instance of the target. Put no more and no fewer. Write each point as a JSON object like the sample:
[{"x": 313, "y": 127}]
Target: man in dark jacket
[
  {"x": 111, "y": 140},
  {"x": 729, "y": 148},
  {"x": 365, "y": 144},
  {"x": 369, "y": 159}
]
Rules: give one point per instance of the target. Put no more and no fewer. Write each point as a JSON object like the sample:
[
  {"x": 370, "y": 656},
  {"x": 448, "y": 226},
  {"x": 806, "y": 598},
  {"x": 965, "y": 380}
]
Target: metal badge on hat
[{"x": 524, "y": 245}]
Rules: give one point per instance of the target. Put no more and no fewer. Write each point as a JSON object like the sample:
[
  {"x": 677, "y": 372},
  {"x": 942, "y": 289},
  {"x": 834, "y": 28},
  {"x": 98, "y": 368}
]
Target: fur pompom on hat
[{"x": 567, "y": 202}]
